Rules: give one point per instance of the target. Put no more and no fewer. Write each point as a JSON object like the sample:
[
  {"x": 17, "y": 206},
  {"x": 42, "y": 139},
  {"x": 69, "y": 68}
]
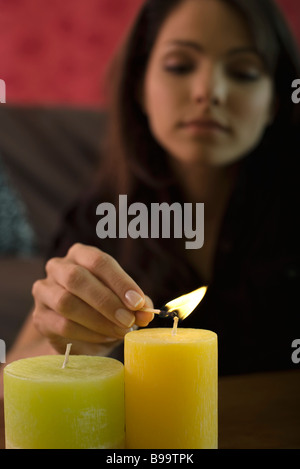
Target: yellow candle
[
  {"x": 171, "y": 389},
  {"x": 79, "y": 406}
]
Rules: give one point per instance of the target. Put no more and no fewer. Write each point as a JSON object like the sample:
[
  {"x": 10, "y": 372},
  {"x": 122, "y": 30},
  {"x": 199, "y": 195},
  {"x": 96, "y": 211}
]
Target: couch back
[{"x": 49, "y": 156}]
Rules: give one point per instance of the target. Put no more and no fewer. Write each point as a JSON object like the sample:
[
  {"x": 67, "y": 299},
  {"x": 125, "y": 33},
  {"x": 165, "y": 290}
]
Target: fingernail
[
  {"x": 134, "y": 298},
  {"x": 126, "y": 318}
]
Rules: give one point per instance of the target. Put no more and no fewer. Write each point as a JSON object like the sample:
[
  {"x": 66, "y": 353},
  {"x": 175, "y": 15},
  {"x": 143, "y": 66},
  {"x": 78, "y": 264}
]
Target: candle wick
[
  {"x": 175, "y": 324},
  {"x": 67, "y": 355}
]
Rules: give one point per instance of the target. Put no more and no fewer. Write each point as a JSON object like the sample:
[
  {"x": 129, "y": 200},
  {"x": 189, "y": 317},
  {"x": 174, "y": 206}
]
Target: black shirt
[{"x": 252, "y": 302}]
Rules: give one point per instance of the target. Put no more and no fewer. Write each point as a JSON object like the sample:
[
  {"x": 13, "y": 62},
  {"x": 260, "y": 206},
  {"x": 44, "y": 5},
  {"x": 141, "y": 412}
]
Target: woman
[{"x": 201, "y": 111}]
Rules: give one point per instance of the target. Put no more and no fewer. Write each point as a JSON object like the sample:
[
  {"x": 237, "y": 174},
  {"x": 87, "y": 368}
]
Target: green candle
[{"x": 80, "y": 405}]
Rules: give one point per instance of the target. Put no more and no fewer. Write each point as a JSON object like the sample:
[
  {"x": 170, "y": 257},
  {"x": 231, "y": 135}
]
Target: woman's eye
[
  {"x": 245, "y": 75},
  {"x": 178, "y": 68}
]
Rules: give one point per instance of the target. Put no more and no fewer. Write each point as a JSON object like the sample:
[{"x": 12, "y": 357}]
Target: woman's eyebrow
[
  {"x": 243, "y": 50},
  {"x": 186, "y": 43},
  {"x": 199, "y": 48}
]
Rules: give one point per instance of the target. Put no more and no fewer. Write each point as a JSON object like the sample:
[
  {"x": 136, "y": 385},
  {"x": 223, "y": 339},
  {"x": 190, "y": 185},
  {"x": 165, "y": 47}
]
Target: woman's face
[{"x": 206, "y": 92}]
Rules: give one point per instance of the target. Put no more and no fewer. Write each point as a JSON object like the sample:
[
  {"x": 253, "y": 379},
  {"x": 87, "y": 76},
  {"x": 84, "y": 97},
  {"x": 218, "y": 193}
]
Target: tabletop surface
[{"x": 256, "y": 411}]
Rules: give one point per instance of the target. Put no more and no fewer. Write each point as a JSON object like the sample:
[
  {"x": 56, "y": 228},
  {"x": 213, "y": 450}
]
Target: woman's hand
[{"x": 87, "y": 299}]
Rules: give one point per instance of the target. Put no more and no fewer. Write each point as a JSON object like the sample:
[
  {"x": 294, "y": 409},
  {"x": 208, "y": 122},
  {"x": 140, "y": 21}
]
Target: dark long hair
[
  {"x": 134, "y": 155},
  {"x": 258, "y": 226}
]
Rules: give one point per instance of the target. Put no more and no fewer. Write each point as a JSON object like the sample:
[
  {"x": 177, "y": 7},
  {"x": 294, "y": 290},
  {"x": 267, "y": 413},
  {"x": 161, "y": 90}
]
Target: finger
[
  {"x": 84, "y": 285},
  {"x": 143, "y": 318},
  {"x": 55, "y": 297},
  {"x": 53, "y": 325},
  {"x": 82, "y": 348},
  {"x": 109, "y": 271},
  {"x": 65, "y": 334}
]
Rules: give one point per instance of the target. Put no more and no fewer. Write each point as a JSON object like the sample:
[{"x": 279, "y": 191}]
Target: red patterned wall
[{"x": 57, "y": 51}]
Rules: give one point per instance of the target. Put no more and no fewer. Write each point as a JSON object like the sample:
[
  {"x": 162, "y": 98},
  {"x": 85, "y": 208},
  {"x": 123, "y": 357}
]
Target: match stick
[
  {"x": 151, "y": 310},
  {"x": 163, "y": 313}
]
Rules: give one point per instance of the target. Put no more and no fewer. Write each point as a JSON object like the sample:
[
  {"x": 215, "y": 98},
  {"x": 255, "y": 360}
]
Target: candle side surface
[
  {"x": 80, "y": 406},
  {"x": 171, "y": 389}
]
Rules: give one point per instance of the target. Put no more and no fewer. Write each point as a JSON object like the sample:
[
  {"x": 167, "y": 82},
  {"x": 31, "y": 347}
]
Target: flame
[{"x": 185, "y": 304}]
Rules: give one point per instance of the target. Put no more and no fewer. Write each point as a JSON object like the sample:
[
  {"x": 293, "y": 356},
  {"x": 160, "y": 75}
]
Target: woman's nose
[{"x": 209, "y": 86}]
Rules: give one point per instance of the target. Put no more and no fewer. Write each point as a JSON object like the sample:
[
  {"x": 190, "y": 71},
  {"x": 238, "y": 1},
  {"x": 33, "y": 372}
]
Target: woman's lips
[{"x": 204, "y": 126}]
